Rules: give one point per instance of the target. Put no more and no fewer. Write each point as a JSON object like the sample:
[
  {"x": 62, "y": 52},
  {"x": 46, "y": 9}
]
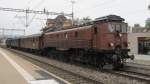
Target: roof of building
[{"x": 140, "y": 30}]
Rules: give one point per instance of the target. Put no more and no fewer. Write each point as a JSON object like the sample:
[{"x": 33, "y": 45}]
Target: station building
[{"x": 139, "y": 40}]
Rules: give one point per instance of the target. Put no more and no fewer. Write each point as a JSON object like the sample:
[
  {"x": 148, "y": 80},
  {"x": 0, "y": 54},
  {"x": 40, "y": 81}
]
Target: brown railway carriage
[
  {"x": 32, "y": 42},
  {"x": 14, "y": 43}
]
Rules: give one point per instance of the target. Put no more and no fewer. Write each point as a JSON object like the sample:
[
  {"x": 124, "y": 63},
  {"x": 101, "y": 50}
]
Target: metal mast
[
  {"x": 72, "y": 2},
  {"x": 44, "y": 11}
]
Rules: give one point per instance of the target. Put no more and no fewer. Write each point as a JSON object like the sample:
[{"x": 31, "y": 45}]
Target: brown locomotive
[{"x": 104, "y": 42}]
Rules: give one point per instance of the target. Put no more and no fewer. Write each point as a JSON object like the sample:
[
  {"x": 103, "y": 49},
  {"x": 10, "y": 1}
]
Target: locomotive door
[
  {"x": 41, "y": 44},
  {"x": 94, "y": 40}
]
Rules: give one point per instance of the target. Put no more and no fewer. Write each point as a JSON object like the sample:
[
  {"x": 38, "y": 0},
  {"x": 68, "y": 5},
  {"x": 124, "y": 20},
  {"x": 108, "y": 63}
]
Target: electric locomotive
[{"x": 102, "y": 43}]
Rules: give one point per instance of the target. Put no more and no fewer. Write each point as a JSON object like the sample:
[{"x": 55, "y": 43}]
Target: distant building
[
  {"x": 139, "y": 40},
  {"x": 140, "y": 30},
  {"x": 59, "y": 23}
]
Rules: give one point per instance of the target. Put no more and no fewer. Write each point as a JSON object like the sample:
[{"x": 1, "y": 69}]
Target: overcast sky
[{"x": 134, "y": 11}]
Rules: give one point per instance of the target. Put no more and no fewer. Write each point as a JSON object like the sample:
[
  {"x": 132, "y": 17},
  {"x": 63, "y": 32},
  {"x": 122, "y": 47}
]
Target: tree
[
  {"x": 137, "y": 26},
  {"x": 76, "y": 21},
  {"x": 83, "y": 21},
  {"x": 86, "y": 20},
  {"x": 147, "y": 25}
]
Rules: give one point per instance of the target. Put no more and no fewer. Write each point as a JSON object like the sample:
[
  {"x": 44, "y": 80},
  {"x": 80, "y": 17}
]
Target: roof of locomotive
[
  {"x": 29, "y": 36},
  {"x": 14, "y": 38},
  {"x": 109, "y": 18},
  {"x": 33, "y": 35},
  {"x": 73, "y": 29}
]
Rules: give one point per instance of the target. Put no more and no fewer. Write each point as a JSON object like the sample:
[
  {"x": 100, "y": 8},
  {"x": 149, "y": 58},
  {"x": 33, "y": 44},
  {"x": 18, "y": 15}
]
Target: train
[{"x": 104, "y": 42}]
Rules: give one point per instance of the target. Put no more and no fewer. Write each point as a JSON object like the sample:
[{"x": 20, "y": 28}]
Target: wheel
[{"x": 100, "y": 67}]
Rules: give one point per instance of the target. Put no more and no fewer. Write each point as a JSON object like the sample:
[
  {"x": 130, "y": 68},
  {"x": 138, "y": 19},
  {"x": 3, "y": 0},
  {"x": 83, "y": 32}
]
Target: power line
[
  {"x": 4, "y": 29},
  {"x": 38, "y": 5},
  {"x": 27, "y": 11},
  {"x": 98, "y": 5},
  {"x": 27, "y": 23},
  {"x": 34, "y": 11},
  {"x": 29, "y": 1}
]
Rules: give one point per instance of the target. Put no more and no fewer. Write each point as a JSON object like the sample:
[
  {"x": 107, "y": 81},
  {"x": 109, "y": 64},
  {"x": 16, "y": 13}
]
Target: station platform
[
  {"x": 16, "y": 70},
  {"x": 141, "y": 59}
]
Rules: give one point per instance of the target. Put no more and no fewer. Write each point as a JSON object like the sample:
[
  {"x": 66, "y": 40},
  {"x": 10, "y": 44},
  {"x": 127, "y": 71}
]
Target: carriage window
[
  {"x": 95, "y": 30},
  {"x": 66, "y": 35},
  {"x": 57, "y": 35},
  {"x": 118, "y": 28},
  {"x": 124, "y": 28},
  {"x": 34, "y": 39},
  {"x": 111, "y": 27},
  {"x": 76, "y": 34}
]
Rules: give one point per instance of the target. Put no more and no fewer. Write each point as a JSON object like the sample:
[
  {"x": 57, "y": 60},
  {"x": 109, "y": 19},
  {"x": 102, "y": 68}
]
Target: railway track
[
  {"x": 139, "y": 66},
  {"x": 73, "y": 78},
  {"x": 134, "y": 72},
  {"x": 69, "y": 76},
  {"x": 133, "y": 75},
  {"x": 83, "y": 76}
]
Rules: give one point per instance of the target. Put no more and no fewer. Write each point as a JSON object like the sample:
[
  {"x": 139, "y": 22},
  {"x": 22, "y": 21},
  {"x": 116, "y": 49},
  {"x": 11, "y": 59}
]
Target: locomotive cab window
[
  {"x": 118, "y": 28},
  {"x": 95, "y": 30},
  {"x": 66, "y": 35},
  {"x": 76, "y": 34},
  {"x": 124, "y": 28},
  {"x": 111, "y": 27}
]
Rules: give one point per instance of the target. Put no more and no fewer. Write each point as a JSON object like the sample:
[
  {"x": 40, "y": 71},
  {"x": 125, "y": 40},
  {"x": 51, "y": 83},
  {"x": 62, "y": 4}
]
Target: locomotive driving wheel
[
  {"x": 118, "y": 62},
  {"x": 101, "y": 65}
]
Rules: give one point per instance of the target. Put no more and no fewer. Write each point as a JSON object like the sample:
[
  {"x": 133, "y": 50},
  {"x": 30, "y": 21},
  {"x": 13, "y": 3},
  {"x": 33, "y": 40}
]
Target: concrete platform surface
[
  {"x": 17, "y": 70},
  {"x": 8, "y": 74},
  {"x": 141, "y": 59}
]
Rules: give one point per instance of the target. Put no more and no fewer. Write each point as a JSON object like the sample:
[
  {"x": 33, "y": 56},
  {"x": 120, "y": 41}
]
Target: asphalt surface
[{"x": 17, "y": 70}]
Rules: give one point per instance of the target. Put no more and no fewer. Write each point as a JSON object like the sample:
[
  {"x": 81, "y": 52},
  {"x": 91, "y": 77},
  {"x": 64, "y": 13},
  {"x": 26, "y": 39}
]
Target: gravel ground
[{"x": 106, "y": 78}]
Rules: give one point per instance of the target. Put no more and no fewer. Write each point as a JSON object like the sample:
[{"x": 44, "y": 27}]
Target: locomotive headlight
[
  {"x": 111, "y": 44},
  {"x": 120, "y": 35}
]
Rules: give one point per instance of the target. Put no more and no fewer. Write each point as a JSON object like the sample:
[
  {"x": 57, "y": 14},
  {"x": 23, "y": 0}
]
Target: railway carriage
[
  {"x": 32, "y": 43},
  {"x": 8, "y": 42},
  {"x": 14, "y": 43}
]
